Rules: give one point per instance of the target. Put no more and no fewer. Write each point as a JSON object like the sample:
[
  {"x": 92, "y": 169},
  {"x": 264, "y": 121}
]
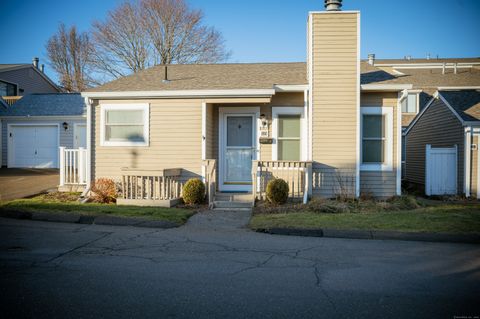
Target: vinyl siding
[
  {"x": 381, "y": 183},
  {"x": 475, "y": 163},
  {"x": 439, "y": 127},
  {"x": 334, "y": 99},
  {"x": 66, "y": 136},
  {"x": 175, "y": 140},
  {"x": 28, "y": 80}
]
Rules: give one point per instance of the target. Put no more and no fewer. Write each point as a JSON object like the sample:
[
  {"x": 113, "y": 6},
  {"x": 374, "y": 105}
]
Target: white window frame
[
  {"x": 145, "y": 107},
  {"x": 289, "y": 110},
  {"x": 388, "y": 113},
  {"x": 417, "y": 104}
]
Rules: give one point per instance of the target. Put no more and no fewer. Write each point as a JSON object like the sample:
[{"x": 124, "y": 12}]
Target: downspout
[
  {"x": 467, "y": 160},
  {"x": 88, "y": 104}
]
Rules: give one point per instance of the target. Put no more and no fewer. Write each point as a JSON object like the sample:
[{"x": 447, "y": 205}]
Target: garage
[{"x": 34, "y": 146}]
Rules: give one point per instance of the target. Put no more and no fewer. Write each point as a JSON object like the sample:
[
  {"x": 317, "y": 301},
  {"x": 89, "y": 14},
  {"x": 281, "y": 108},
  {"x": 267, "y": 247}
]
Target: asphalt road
[{"x": 213, "y": 269}]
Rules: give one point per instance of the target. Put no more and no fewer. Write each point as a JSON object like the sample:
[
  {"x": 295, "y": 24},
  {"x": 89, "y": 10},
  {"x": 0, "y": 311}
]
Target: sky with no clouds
[{"x": 267, "y": 30}]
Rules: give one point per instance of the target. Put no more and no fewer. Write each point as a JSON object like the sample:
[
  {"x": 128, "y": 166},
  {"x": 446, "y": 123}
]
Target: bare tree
[
  {"x": 149, "y": 32},
  {"x": 69, "y": 54}
]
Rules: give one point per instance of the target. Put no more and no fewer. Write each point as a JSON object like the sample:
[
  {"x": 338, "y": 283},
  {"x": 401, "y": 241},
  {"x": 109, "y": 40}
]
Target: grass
[
  {"x": 457, "y": 218},
  {"x": 66, "y": 203}
]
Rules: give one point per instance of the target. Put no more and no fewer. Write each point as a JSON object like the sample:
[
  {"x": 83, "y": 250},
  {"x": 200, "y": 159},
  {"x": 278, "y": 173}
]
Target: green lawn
[
  {"x": 444, "y": 218},
  {"x": 43, "y": 203}
]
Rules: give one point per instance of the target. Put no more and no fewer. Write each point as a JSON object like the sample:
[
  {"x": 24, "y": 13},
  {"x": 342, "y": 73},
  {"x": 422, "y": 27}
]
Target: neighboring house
[
  {"x": 25, "y": 78},
  {"x": 443, "y": 144},
  {"x": 335, "y": 119},
  {"x": 37, "y": 125}
]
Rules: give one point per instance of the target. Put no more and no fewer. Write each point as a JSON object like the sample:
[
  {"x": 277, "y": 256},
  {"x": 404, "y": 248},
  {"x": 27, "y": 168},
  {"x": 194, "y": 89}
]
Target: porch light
[{"x": 65, "y": 125}]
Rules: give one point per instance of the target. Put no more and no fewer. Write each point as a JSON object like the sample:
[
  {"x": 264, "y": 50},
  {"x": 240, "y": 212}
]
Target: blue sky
[{"x": 267, "y": 30}]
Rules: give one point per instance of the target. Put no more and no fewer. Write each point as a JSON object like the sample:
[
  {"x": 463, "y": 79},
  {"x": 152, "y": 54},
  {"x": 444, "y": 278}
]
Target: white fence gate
[
  {"x": 73, "y": 166},
  {"x": 441, "y": 170}
]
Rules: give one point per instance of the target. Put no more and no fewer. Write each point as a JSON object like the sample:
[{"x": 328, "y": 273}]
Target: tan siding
[
  {"x": 474, "y": 180},
  {"x": 334, "y": 100},
  {"x": 175, "y": 141},
  {"x": 209, "y": 136},
  {"x": 439, "y": 127},
  {"x": 381, "y": 183}
]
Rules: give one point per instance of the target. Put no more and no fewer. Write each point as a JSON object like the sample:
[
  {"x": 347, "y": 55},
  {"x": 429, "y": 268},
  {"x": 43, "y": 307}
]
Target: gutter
[{"x": 181, "y": 94}]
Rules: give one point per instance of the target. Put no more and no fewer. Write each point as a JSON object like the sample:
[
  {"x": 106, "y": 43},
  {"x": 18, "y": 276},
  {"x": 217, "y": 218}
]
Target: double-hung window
[
  {"x": 287, "y": 132},
  {"x": 409, "y": 103},
  {"x": 377, "y": 131},
  {"x": 124, "y": 124}
]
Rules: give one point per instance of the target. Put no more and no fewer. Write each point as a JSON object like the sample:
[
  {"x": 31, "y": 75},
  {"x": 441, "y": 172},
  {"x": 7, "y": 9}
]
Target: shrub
[
  {"x": 406, "y": 202},
  {"x": 104, "y": 191},
  {"x": 193, "y": 191},
  {"x": 277, "y": 191}
]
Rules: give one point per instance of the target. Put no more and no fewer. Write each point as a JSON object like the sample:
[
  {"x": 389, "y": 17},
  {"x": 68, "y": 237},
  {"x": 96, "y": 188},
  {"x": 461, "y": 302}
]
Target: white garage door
[
  {"x": 441, "y": 171},
  {"x": 33, "y": 146}
]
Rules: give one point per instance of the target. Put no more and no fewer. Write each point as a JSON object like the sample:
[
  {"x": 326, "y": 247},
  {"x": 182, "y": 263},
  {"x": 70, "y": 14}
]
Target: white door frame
[
  {"x": 10, "y": 154},
  {"x": 75, "y": 129},
  {"x": 223, "y": 112}
]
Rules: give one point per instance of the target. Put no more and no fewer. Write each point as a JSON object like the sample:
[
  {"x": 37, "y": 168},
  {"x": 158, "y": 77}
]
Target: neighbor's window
[
  {"x": 7, "y": 89},
  {"x": 409, "y": 104},
  {"x": 125, "y": 125},
  {"x": 288, "y": 138},
  {"x": 377, "y": 146}
]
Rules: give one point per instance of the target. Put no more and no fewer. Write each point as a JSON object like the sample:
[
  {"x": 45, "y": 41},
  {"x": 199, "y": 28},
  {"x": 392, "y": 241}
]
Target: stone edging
[
  {"x": 375, "y": 234},
  {"x": 89, "y": 219}
]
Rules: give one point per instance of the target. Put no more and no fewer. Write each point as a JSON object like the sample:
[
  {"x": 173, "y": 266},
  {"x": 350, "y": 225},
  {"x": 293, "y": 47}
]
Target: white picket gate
[
  {"x": 441, "y": 170},
  {"x": 73, "y": 166}
]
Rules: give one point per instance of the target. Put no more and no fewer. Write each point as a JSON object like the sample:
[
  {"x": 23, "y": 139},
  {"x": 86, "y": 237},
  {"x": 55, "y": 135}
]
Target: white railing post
[
  {"x": 81, "y": 165},
  {"x": 62, "y": 165}
]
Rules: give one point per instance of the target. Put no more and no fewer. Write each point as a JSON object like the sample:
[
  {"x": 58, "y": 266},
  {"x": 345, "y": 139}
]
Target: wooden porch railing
[
  {"x": 10, "y": 100},
  {"x": 73, "y": 166},
  {"x": 297, "y": 174},
  {"x": 151, "y": 187},
  {"x": 210, "y": 169}
]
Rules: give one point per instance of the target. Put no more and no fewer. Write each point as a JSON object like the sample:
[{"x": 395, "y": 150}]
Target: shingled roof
[
  {"x": 465, "y": 102},
  {"x": 47, "y": 104},
  {"x": 210, "y": 77}
]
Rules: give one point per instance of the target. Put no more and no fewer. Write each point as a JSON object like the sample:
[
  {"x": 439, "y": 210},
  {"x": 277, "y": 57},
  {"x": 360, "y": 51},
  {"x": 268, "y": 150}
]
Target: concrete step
[
  {"x": 235, "y": 204},
  {"x": 241, "y": 209},
  {"x": 233, "y": 197}
]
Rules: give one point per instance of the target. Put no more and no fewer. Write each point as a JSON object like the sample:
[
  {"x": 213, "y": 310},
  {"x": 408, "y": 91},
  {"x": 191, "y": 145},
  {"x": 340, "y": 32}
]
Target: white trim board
[
  {"x": 358, "y": 115},
  {"x": 386, "y": 87},
  {"x": 10, "y": 153},
  {"x": 289, "y": 110},
  {"x": 145, "y": 107},
  {"x": 222, "y": 113},
  {"x": 183, "y": 93},
  {"x": 379, "y": 110}
]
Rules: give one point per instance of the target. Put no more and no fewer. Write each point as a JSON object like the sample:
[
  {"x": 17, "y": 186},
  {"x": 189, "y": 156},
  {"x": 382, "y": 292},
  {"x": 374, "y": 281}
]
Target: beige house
[{"x": 331, "y": 126}]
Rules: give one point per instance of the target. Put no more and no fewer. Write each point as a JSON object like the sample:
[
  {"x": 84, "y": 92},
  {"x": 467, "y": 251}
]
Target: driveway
[
  {"x": 24, "y": 182},
  {"x": 215, "y": 268}
]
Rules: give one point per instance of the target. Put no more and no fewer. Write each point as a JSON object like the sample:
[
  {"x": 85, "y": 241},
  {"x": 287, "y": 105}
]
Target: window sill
[
  {"x": 133, "y": 144},
  {"x": 376, "y": 168}
]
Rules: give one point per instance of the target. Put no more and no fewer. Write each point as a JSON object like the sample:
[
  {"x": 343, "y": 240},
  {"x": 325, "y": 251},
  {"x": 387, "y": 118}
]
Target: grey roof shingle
[
  {"x": 465, "y": 102},
  {"x": 51, "y": 104}
]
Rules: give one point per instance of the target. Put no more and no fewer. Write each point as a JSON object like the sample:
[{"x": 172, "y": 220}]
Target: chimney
[
  {"x": 35, "y": 62},
  {"x": 333, "y": 5},
  {"x": 371, "y": 59},
  {"x": 43, "y": 68}
]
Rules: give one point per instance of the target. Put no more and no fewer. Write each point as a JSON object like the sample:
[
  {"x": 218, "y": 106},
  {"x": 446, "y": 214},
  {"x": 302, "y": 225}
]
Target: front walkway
[
  {"x": 24, "y": 182},
  {"x": 214, "y": 220}
]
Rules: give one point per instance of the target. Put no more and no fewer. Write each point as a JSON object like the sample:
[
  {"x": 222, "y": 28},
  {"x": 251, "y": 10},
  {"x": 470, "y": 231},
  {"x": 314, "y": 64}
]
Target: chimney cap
[
  {"x": 35, "y": 61},
  {"x": 333, "y": 5}
]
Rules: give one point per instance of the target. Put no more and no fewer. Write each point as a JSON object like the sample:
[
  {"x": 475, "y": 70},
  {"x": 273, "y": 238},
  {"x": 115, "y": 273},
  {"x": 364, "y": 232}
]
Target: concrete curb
[
  {"x": 79, "y": 218},
  {"x": 374, "y": 234}
]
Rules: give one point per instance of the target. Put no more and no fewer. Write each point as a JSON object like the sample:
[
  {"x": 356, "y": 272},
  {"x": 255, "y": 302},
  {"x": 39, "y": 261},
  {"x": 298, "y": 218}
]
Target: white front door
[
  {"x": 80, "y": 138},
  {"x": 34, "y": 146},
  {"x": 238, "y": 148}
]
